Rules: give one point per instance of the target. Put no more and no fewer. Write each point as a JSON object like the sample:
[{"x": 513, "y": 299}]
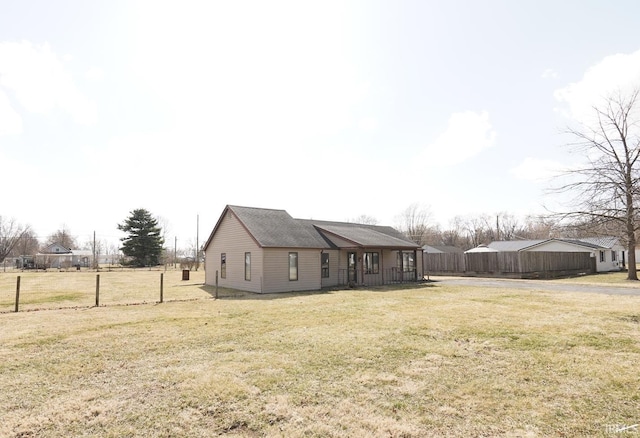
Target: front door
[{"x": 352, "y": 267}]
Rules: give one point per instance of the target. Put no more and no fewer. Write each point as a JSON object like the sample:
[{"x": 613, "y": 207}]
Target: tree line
[
  {"x": 143, "y": 244},
  {"x": 603, "y": 189}
]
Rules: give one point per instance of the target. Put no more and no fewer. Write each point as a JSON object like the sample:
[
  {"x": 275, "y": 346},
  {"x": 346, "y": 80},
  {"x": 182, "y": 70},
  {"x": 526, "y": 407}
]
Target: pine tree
[{"x": 143, "y": 243}]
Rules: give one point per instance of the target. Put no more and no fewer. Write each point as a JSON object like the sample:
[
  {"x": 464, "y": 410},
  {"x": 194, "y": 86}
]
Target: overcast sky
[{"x": 329, "y": 110}]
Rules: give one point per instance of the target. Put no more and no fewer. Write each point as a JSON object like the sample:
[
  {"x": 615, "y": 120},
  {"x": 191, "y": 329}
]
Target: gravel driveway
[{"x": 543, "y": 285}]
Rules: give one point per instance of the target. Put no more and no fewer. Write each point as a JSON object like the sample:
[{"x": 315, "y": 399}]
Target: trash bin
[{"x": 185, "y": 274}]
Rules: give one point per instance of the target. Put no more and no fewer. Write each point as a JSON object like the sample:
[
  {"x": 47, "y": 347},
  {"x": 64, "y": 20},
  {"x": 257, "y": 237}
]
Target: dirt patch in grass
[{"x": 431, "y": 361}]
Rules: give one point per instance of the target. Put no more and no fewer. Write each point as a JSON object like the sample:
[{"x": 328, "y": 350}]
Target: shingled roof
[
  {"x": 366, "y": 236},
  {"x": 277, "y": 229}
]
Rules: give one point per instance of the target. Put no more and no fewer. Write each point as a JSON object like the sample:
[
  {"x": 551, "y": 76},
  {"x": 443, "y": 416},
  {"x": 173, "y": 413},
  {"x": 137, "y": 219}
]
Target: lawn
[
  {"x": 54, "y": 290},
  {"x": 604, "y": 278},
  {"x": 430, "y": 360}
]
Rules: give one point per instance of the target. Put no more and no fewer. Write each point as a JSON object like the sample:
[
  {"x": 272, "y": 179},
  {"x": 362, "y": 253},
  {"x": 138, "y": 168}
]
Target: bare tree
[
  {"x": 97, "y": 248},
  {"x": 63, "y": 237},
  {"x": 27, "y": 244},
  {"x": 605, "y": 190},
  {"x": 508, "y": 227},
  {"x": 364, "y": 219},
  {"x": 456, "y": 234},
  {"x": 10, "y": 233},
  {"x": 414, "y": 221},
  {"x": 539, "y": 227},
  {"x": 479, "y": 229},
  {"x": 114, "y": 256}
]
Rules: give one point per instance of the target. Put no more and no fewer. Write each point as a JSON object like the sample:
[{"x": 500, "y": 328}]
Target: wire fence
[{"x": 39, "y": 290}]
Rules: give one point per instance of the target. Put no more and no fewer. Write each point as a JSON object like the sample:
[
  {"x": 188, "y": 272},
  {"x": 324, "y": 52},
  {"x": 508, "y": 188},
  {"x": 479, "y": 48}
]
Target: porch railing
[{"x": 383, "y": 277}]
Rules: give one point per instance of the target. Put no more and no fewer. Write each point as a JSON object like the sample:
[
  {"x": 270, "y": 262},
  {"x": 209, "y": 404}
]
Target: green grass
[{"x": 412, "y": 362}]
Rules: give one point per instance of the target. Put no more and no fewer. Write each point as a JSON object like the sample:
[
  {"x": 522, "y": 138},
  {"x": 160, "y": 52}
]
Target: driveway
[{"x": 542, "y": 285}]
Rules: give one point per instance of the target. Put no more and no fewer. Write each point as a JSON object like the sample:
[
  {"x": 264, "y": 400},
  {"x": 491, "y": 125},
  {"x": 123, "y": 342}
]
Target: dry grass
[
  {"x": 618, "y": 279},
  {"x": 414, "y": 362},
  {"x": 55, "y": 290}
]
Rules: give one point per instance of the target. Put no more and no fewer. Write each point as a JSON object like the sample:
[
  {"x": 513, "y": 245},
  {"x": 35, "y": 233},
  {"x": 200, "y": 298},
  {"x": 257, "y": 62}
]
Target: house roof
[
  {"x": 277, "y": 229},
  {"x": 439, "y": 249},
  {"x": 367, "y": 235},
  {"x": 514, "y": 245},
  {"x": 582, "y": 242},
  {"x": 602, "y": 241},
  {"x": 521, "y": 245},
  {"x": 51, "y": 249},
  {"x": 481, "y": 248}
]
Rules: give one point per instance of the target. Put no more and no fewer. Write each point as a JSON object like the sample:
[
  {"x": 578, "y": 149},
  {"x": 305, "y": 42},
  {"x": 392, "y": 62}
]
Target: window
[
  {"x": 371, "y": 262},
  {"x": 293, "y": 266},
  {"x": 247, "y": 266},
  {"x": 613, "y": 256},
  {"x": 223, "y": 265},
  {"x": 324, "y": 261},
  {"x": 406, "y": 261},
  {"x": 602, "y": 256}
]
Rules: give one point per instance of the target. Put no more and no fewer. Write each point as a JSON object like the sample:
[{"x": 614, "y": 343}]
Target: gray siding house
[
  {"x": 608, "y": 253},
  {"x": 268, "y": 251},
  {"x": 60, "y": 257}
]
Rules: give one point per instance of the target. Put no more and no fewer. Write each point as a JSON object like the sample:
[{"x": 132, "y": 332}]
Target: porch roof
[{"x": 363, "y": 236}]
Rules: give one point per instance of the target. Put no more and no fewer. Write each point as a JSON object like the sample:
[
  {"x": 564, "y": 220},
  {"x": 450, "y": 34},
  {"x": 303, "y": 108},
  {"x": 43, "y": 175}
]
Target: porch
[{"x": 351, "y": 277}]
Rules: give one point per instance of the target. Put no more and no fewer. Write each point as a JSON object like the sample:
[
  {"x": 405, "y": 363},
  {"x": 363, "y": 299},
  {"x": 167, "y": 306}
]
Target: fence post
[
  {"x": 216, "y": 285},
  {"x": 161, "y": 286},
  {"x": 97, "y": 290},
  {"x": 17, "y": 293}
]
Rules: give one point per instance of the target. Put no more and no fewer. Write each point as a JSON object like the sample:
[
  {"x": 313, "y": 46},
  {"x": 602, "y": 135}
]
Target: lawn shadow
[{"x": 235, "y": 294}]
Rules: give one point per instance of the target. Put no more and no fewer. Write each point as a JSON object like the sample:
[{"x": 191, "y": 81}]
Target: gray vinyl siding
[
  {"x": 234, "y": 240},
  {"x": 276, "y": 270}
]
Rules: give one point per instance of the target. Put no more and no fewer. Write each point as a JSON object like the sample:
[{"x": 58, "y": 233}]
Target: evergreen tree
[{"x": 143, "y": 243}]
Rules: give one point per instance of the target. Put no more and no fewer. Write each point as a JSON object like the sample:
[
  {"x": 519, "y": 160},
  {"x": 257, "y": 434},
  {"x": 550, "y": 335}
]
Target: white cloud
[
  {"x": 537, "y": 170},
  {"x": 10, "y": 120},
  {"x": 468, "y": 134},
  {"x": 549, "y": 74},
  {"x": 615, "y": 73},
  {"x": 41, "y": 82}
]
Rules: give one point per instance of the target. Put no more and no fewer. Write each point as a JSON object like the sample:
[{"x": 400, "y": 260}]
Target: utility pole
[
  {"x": 197, "y": 241},
  {"x": 175, "y": 251}
]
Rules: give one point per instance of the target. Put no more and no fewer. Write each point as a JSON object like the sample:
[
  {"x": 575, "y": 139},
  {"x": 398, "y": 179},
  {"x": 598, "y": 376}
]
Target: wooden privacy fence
[{"x": 510, "y": 264}]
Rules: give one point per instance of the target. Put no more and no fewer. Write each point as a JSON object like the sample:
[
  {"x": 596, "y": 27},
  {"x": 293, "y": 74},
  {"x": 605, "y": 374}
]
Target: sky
[{"x": 327, "y": 109}]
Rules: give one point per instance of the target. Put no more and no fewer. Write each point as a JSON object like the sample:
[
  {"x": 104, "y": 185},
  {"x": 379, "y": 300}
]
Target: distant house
[
  {"x": 610, "y": 251},
  {"x": 480, "y": 248},
  {"x": 607, "y": 252},
  {"x": 60, "y": 257},
  {"x": 268, "y": 251},
  {"x": 441, "y": 249}
]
